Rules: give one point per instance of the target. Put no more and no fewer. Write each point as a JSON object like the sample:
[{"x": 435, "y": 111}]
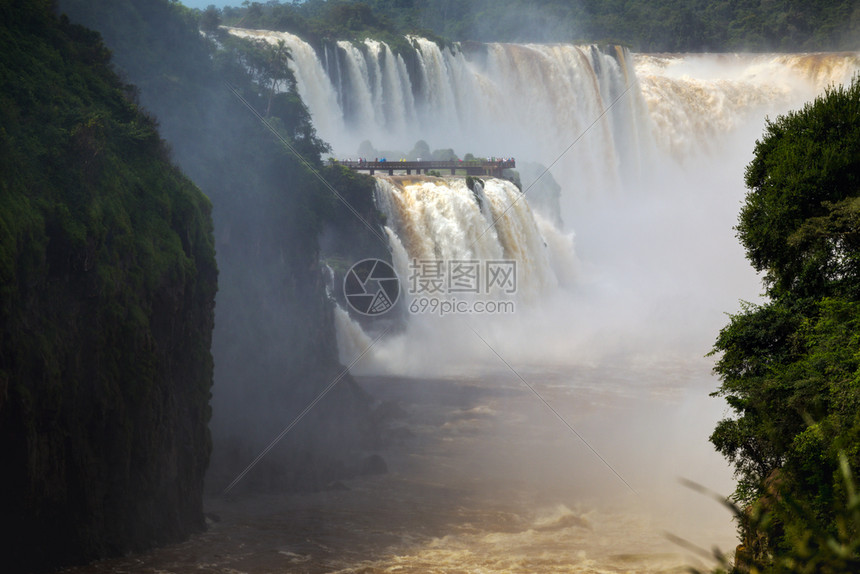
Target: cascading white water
[
  {"x": 648, "y": 150},
  {"x": 605, "y": 118},
  {"x": 528, "y": 101},
  {"x": 442, "y": 219},
  {"x": 694, "y": 101},
  {"x": 373, "y": 87},
  {"x": 313, "y": 83}
]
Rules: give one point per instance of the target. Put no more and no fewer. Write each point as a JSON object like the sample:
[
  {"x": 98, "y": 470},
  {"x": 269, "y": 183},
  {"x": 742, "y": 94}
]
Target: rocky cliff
[
  {"x": 107, "y": 286},
  {"x": 274, "y": 344}
]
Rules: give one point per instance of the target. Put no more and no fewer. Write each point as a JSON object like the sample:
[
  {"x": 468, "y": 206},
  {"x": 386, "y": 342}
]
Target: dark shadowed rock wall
[{"x": 107, "y": 286}]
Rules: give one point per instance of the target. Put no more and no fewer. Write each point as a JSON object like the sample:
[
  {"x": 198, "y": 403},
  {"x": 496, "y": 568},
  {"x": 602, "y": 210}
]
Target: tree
[
  {"x": 210, "y": 19},
  {"x": 799, "y": 224},
  {"x": 420, "y": 150},
  {"x": 446, "y": 154},
  {"x": 670, "y": 25},
  {"x": 366, "y": 149},
  {"x": 790, "y": 368},
  {"x": 269, "y": 64}
]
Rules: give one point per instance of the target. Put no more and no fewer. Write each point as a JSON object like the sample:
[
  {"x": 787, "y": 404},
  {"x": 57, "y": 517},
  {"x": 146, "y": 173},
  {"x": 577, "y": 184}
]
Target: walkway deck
[{"x": 474, "y": 167}]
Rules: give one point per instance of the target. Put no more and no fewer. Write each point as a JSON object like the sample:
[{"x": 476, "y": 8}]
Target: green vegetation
[
  {"x": 107, "y": 287},
  {"x": 108, "y": 278},
  {"x": 320, "y": 20},
  {"x": 790, "y": 368},
  {"x": 644, "y": 25},
  {"x": 274, "y": 344}
]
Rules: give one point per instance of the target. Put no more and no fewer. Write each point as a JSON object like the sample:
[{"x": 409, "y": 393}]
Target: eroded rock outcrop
[{"x": 107, "y": 285}]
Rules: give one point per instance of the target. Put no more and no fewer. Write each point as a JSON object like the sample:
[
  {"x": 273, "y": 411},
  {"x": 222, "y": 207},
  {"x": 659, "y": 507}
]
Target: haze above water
[
  {"x": 526, "y": 434},
  {"x": 549, "y": 439},
  {"x": 634, "y": 260}
]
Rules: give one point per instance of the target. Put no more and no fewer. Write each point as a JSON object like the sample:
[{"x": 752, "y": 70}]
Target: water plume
[{"x": 611, "y": 324}]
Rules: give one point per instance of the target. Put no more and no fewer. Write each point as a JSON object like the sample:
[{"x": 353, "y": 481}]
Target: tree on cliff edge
[{"x": 790, "y": 368}]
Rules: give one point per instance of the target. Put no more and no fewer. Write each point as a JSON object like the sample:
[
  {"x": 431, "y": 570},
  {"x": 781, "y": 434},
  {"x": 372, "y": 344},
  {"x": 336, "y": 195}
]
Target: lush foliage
[
  {"x": 800, "y": 224},
  {"x": 645, "y": 25},
  {"x": 107, "y": 286},
  {"x": 317, "y": 21},
  {"x": 790, "y": 368},
  {"x": 274, "y": 343}
]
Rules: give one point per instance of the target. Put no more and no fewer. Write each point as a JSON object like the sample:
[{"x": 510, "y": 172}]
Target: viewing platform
[{"x": 491, "y": 168}]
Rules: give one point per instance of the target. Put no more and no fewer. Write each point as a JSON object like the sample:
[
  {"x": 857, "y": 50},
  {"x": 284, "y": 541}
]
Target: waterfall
[
  {"x": 641, "y": 154},
  {"x": 314, "y": 84},
  {"x": 351, "y": 339},
  {"x": 693, "y": 100},
  {"x": 604, "y": 117},
  {"x": 471, "y": 98},
  {"x": 441, "y": 219}
]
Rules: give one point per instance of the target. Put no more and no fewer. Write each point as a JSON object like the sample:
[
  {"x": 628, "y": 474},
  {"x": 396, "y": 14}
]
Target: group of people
[{"x": 362, "y": 160}]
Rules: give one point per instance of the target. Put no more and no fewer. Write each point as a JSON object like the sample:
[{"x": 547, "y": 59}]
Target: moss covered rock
[{"x": 107, "y": 285}]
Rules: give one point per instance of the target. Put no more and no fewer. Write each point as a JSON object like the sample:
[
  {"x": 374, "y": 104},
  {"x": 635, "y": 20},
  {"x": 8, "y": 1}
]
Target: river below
[{"x": 484, "y": 476}]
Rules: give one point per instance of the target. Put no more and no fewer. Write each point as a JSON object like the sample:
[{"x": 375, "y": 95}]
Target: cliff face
[
  {"x": 107, "y": 285},
  {"x": 274, "y": 344}
]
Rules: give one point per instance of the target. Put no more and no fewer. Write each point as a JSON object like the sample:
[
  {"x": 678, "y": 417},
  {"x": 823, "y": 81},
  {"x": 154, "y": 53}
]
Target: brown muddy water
[{"x": 483, "y": 477}]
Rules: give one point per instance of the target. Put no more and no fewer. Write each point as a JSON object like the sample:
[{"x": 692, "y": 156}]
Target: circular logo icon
[{"x": 371, "y": 287}]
